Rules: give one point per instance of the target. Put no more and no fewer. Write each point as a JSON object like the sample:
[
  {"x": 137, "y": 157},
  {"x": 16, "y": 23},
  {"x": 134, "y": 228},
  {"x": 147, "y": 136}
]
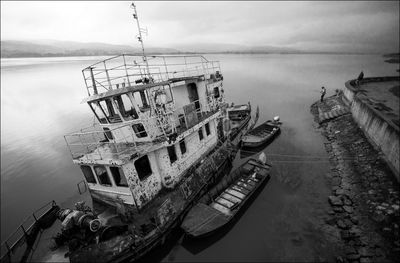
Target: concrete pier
[
  {"x": 375, "y": 108},
  {"x": 364, "y": 199}
]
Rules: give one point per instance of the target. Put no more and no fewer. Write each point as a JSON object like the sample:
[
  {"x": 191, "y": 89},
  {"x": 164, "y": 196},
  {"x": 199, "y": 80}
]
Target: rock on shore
[{"x": 365, "y": 197}]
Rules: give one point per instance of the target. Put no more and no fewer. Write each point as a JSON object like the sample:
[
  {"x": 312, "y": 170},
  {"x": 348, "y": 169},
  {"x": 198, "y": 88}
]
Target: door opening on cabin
[{"x": 193, "y": 95}]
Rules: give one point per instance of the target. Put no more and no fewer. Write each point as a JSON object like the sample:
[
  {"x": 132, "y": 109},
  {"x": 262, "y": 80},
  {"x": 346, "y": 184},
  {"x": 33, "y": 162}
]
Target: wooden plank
[
  {"x": 237, "y": 193},
  {"x": 239, "y": 189},
  {"x": 221, "y": 204},
  {"x": 231, "y": 198},
  {"x": 221, "y": 208},
  {"x": 230, "y": 201},
  {"x": 229, "y": 193}
]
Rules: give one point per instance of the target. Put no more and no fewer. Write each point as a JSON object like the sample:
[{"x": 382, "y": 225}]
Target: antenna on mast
[{"x": 140, "y": 38}]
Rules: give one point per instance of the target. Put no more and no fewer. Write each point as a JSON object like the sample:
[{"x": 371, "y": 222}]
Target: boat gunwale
[{"x": 239, "y": 205}]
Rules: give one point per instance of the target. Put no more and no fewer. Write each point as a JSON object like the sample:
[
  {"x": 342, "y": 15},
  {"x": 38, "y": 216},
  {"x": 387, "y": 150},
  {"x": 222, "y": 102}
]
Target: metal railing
[
  {"x": 96, "y": 143},
  {"x": 130, "y": 70},
  {"x": 24, "y": 230}
]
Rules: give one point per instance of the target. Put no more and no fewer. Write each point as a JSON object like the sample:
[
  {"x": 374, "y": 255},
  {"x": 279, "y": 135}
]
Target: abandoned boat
[
  {"x": 159, "y": 144},
  {"x": 239, "y": 118},
  {"x": 222, "y": 204},
  {"x": 262, "y": 134}
]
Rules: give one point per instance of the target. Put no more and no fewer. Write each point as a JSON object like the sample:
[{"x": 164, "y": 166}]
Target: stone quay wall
[{"x": 382, "y": 133}]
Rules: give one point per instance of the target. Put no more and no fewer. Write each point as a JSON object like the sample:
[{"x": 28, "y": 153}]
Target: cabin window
[
  {"x": 98, "y": 112},
  {"x": 216, "y": 92},
  {"x": 201, "y": 134},
  {"x": 108, "y": 133},
  {"x": 102, "y": 175},
  {"x": 182, "y": 145},
  {"x": 88, "y": 173},
  {"x": 139, "y": 130},
  {"x": 143, "y": 167},
  {"x": 169, "y": 94},
  {"x": 108, "y": 109},
  {"x": 119, "y": 177},
  {"x": 207, "y": 128},
  {"x": 141, "y": 99},
  {"x": 172, "y": 153},
  {"x": 126, "y": 107}
]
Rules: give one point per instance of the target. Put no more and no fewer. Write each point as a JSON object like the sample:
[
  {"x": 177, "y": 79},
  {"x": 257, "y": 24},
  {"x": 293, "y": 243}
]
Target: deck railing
[
  {"x": 24, "y": 232},
  {"x": 99, "y": 143},
  {"x": 130, "y": 70}
]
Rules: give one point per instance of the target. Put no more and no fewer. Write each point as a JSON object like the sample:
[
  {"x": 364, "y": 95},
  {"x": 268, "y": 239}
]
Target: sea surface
[{"x": 41, "y": 102}]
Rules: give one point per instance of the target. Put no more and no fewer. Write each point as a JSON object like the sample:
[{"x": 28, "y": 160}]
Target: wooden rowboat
[
  {"x": 261, "y": 134},
  {"x": 222, "y": 203}
]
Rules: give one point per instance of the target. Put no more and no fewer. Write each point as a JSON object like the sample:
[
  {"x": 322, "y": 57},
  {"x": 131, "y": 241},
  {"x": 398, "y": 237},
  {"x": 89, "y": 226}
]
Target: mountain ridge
[{"x": 52, "y": 48}]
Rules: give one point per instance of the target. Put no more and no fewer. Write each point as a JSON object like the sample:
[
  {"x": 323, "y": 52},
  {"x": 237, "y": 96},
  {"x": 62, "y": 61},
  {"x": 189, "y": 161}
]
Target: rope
[
  {"x": 319, "y": 158},
  {"x": 288, "y": 155}
]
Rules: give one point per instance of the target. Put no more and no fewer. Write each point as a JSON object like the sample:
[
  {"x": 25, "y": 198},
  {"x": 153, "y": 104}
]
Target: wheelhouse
[{"x": 154, "y": 123}]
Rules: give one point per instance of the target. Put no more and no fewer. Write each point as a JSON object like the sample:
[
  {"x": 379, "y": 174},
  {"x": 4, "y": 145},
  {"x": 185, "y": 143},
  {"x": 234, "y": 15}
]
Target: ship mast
[{"x": 140, "y": 38}]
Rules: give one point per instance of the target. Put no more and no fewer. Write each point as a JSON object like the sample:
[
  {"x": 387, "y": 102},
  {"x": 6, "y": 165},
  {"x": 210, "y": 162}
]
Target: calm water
[{"x": 40, "y": 102}]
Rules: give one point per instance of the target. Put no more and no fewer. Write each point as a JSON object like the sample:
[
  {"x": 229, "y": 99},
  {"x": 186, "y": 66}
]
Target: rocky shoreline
[{"x": 364, "y": 216}]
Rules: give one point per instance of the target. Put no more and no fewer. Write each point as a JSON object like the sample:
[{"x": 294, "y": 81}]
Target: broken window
[
  {"x": 98, "y": 112},
  {"x": 182, "y": 145},
  {"x": 207, "y": 128},
  {"x": 172, "y": 153},
  {"x": 108, "y": 133},
  {"x": 108, "y": 109},
  {"x": 88, "y": 173},
  {"x": 126, "y": 107},
  {"x": 141, "y": 99},
  {"x": 102, "y": 175},
  {"x": 169, "y": 94},
  {"x": 143, "y": 167},
  {"x": 139, "y": 130},
  {"x": 216, "y": 92},
  {"x": 119, "y": 177},
  {"x": 201, "y": 134}
]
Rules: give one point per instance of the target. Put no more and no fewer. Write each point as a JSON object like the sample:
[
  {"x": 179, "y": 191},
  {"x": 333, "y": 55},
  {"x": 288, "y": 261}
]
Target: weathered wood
[
  {"x": 196, "y": 225},
  {"x": 221, "y": 204},
  {"x": 233, "y": 195}
]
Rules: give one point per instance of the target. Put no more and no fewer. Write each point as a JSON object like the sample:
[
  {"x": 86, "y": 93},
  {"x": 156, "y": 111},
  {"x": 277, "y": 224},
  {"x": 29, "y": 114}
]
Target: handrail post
[
  {"x": 126, "y": 70},
  {"x": 84, "y": 77},
  {"x": 33, "y": 214},
  {"x": 166, "y": 68},
  {"x": 108, "y": 77},
  {"x": 186, "y": 69},
  {"x": 23, "y": 230},
  {"x": 93, "y": 81}
]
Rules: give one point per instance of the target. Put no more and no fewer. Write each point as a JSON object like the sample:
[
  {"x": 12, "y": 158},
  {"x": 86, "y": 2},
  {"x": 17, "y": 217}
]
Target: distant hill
[
  {"x": 51, "y": 48},
  {"x": 232, "y": 48}
]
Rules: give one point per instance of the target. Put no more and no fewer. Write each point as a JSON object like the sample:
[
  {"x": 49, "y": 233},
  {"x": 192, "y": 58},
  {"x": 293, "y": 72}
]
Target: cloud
[{"x": 370, "y": 25}]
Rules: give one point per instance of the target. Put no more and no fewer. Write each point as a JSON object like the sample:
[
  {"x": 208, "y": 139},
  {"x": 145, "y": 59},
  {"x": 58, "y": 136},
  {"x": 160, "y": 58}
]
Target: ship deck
[{"x": 121, "y": 152}]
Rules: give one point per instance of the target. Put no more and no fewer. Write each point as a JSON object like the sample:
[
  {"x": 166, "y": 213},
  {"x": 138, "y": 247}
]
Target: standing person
[
  {"x": 323, "y": 92},
  {"x": 360, "y": 77}
]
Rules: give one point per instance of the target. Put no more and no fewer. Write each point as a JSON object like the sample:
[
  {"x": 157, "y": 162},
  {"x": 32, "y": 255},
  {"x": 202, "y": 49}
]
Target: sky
[{"x": 319, "y": 26}]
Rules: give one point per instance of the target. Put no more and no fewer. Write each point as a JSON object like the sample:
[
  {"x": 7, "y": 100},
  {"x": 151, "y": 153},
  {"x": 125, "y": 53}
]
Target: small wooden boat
[
  {"x": 222, "y": 203},
  {"x": 239, "y": 117},
  {"x": 261, "y": 134}
]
